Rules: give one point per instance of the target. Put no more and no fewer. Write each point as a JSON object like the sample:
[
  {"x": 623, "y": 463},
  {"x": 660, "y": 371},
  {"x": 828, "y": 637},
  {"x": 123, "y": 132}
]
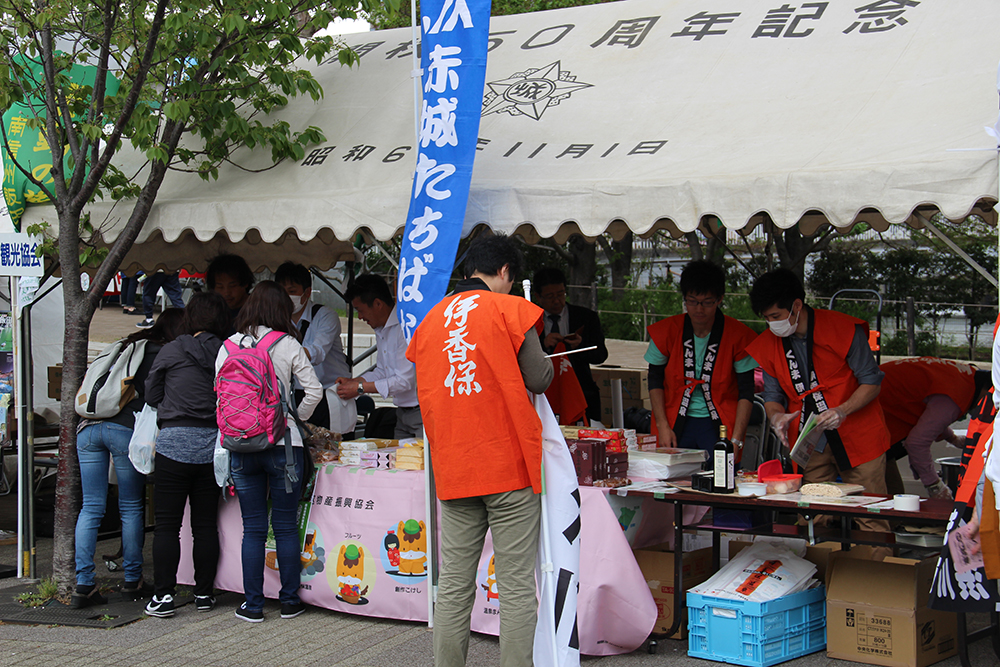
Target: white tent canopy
[{"x": 641, "y": 114}]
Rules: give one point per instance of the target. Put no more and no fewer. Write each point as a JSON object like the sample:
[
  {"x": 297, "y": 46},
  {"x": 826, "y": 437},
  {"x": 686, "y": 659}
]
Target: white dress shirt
[
  {"x": 322, "y": 342},
  {"x": 395, "y": 376},
  {"x": 563, "y": 322}
]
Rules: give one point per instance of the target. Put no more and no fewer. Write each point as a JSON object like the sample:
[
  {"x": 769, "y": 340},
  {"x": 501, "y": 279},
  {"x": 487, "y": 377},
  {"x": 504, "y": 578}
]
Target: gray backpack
[{"x": 109, "y": 383}]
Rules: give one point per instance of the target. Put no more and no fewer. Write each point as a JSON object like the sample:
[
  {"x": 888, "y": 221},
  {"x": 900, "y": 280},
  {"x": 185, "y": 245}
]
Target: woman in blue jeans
[
  {"x": 270, "y": 309},
  {"x": 99, "y": 441}
]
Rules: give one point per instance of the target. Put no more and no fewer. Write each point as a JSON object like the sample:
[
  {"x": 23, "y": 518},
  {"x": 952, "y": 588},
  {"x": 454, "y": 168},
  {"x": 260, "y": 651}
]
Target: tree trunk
[
  {"x": 694, "y": 245},
  {"x": 68, "y": 492},
  {"x": 582, "y": 269},
  {"x": 619, "y": 254}
]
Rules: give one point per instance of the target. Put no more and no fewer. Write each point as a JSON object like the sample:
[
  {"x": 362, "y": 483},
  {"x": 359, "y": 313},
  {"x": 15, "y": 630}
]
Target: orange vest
[
  {"x": 482, "y": 429},
  {"x": 864, "y": 433},
  {"x": 908, "y": 382},
  {"x": 565, "y": 395},
  {"x": 668, "y": 335}
]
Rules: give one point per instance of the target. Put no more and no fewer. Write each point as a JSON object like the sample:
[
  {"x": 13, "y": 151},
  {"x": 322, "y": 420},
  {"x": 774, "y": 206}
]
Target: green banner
[{"x": 28, "y": 146}]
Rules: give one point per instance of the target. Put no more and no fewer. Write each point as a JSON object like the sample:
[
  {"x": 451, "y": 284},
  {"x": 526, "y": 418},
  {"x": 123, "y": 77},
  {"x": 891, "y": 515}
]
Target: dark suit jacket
[{"x": 592, "y": 335}]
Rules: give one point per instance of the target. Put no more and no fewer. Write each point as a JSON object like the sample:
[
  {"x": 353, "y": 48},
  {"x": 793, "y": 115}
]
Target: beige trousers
[{"x": 513, "y": 518}]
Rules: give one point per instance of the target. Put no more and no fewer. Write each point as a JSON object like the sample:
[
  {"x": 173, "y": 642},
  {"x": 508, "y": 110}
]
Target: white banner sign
[{"x": 18, "y": 255}]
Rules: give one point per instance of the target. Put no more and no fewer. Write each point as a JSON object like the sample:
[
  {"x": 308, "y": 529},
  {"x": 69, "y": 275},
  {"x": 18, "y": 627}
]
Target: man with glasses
[
  {"x": 574, "y": 327},
  {"x": 700, "y": 377}
]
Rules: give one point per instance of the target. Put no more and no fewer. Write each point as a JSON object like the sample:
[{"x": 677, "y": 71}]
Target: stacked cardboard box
[
  {"x": 350, "y": 450},
  {"x": 381, "y": 459},
  {"x": 617, "y": 439},
  {"x": 410, "y": 458},
  {"x": 594, "y": 462},
  {"x": 657, "y": 565}
]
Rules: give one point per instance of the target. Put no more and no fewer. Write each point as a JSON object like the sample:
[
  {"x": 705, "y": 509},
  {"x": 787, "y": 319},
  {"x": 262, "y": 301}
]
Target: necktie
[{"x": 555, "y": 323}]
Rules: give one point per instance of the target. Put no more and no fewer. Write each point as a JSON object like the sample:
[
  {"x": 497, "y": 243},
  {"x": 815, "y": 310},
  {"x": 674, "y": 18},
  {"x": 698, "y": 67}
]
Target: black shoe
[
  {"x": 204, "y": 602},
  {"x": 292, "y": 610},
  {"x": 136, "y": 590},
  {"x": 86, "y": 596},
  {"x": 146, "y": 323},
  {"x": 163, "y": 607},
  {"x": 245, "y": 614}
]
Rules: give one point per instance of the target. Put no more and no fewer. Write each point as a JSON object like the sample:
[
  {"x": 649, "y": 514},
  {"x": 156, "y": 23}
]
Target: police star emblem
[{"x": 531, "y": 92}]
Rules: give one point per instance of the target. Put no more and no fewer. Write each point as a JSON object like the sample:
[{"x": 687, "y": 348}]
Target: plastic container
[
  {"x": 777, "y": 482},
  {"x": 751, "y": 488},
  {"x": 756, "y": 634},
  {"x": 782, "y": 483}
]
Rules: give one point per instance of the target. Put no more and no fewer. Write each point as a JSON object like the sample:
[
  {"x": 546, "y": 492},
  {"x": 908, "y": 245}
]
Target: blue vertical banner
[{"x": 454, "y": 37}]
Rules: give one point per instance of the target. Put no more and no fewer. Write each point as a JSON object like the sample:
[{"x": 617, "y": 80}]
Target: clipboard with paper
[{"x": 807, "y": 441}]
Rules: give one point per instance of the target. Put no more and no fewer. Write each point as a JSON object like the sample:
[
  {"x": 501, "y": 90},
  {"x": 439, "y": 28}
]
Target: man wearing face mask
[
  {"x": 319, "y": 327},
  {"x": 818, "y": 361}
]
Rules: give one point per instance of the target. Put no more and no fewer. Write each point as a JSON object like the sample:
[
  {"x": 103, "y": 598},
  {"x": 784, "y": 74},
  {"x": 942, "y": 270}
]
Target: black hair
[
  {"x": 488, "y": 254},
  {"x": 547, "y": 276},
  {"x": 207, "y": 311},
  {"x": 983, "y": 381},
  {"x": 703, "y": 277},
  {"x": 780, "y": 288},
  {"x": 268, "y": 306},
  {"x": 168, "y": 326},
  {"x": 229, "y": 265},
  {"x": 290, "y": 272},
  {"x": 369, "y": 287}
]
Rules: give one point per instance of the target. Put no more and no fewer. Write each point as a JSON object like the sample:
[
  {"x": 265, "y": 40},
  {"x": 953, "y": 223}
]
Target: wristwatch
[
  {"x": 738, "y": 444},
  {"x": 361, "y": 388}
]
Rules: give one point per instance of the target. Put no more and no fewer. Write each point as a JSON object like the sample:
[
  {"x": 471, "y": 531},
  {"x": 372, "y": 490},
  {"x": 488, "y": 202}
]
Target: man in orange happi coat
[
  {"x": 921, "y": 397},
  {"x": 700, "y": 376},
  {"x": 477, "y": 356},
  {"x": 818, "y": 361}
]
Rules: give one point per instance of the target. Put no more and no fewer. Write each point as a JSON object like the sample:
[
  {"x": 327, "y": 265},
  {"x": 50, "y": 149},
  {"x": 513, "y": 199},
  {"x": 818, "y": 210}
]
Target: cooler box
[{"x": 757, "y": 634}]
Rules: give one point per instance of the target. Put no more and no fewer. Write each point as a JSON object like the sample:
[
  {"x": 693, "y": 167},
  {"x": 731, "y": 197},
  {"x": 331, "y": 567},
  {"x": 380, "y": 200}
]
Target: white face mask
[
  {"x": 783, "y": 328},
  {"x": 298, "y": 302}
]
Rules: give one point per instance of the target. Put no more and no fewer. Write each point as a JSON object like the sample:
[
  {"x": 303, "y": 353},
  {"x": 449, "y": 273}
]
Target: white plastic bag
[
  {"x": 142, "y": 446},
  {"x": 221, "y": 464},
  {"x": 343, "y": 414}
]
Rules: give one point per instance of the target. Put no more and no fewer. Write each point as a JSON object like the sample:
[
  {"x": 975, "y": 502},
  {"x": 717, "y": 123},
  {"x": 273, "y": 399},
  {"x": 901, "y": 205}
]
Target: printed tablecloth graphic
[{"x": 364, "y": 552}]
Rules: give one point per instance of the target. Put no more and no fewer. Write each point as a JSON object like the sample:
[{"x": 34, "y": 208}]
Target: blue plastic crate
[{"x": 756, "y": 634}]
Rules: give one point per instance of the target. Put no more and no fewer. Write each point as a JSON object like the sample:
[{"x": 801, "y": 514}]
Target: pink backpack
[{"x": 252, "y": 405}]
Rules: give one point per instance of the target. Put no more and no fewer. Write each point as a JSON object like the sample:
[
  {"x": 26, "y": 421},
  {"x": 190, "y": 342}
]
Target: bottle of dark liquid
[{"x": 724, "y": 464}]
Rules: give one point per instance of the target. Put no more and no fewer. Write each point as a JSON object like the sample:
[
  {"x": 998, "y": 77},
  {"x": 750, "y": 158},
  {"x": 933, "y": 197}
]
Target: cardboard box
[
  {"x": 635, "y": 382},
  {"x": 582, "y": 452},
  {"x": 55, "y": 382},
  {"x": 877, "y": 612},
  {"x": 657, "y": 565}
]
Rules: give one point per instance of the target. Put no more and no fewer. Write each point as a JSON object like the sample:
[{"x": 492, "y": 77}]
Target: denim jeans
[
  {"x": 170, "y": 284},
  {"x": 177, "y": 484},
  {"x": 253, "y": 474},
  {"x": 95, "y": 446}
]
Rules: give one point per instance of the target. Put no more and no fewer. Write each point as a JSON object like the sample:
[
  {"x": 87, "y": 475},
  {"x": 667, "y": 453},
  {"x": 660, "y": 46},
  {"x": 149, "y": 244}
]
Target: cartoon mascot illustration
[
  {"x": 351, "y": 573},
  {"x": 491, "y": 581},
  {"x": 413, "y": 547},
  {"x": 391, "y": 543}
]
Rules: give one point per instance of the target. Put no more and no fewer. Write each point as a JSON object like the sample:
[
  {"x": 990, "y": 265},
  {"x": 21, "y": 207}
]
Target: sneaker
[
  {"x": 145, "y": 323},
  {"x": 204, "y": 602},
  {"x": 86, "y": 596},
  {"x": 292, "y": 610},
  {"x": 136, "y": 590},
  {"x": 162, "y": 607},
  {"x": 245, "y": 614}
]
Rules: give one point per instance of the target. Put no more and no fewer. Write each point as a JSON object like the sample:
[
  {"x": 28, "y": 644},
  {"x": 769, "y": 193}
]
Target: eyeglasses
[
  {"x": 553, "y": 296},
  {"x": 701, "y": 303}
]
